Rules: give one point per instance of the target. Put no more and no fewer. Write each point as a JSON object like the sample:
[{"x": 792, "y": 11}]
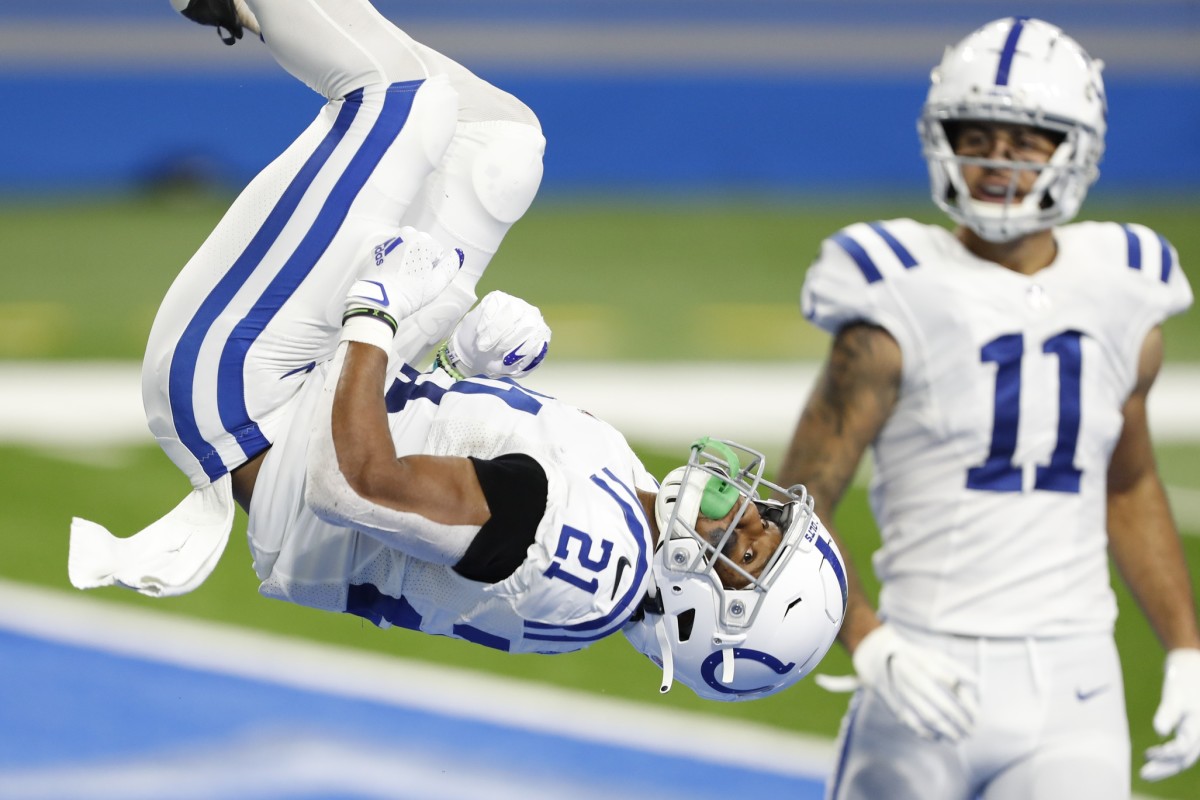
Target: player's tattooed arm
[
  {"x": 855, "y": 394},
  {"x": 1142, "y": 536},
  {"x": 852, "y": 399}
]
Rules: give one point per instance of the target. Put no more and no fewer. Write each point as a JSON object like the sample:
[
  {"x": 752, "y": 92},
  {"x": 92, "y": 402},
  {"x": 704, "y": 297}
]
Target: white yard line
[
  {"x": 661, "y": 405},
  {"x": 97, "y": 405}
]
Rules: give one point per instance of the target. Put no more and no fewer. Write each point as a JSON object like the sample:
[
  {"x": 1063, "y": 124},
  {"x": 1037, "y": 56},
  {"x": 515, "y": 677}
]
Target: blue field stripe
[
  {"x": 856, "y": 251},
  {"x": 1010, "y": 50},
  {"x": 183, "y": 362},
  {"x": 89, "y": 723},
  {"x": 119, "y": 701},
  {"x": 231, "y": 388}
]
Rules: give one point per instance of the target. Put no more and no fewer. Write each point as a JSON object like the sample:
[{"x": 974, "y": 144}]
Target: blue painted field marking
[{"x": 91, "y": 722}]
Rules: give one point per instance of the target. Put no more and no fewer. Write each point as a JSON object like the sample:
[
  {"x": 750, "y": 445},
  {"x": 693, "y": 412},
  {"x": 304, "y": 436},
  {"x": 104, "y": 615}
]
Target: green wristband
[{"x": 442, "y": 359}]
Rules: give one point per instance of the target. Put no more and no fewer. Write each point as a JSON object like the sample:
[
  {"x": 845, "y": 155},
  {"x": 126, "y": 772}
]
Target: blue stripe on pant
[{"x": 231, "y": 400}]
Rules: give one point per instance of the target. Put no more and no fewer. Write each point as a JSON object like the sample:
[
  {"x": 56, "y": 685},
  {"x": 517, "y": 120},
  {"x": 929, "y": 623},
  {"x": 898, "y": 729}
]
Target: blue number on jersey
[
  {"x": 407, "y": 389},
  {"x": 584, "y": 559},
  {"x": 513, "y": 395},
  {"x": 998, "y": 473}
]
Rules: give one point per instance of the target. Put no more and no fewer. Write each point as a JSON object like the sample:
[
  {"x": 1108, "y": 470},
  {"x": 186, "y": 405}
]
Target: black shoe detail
[{"x": 218, "y": 13}]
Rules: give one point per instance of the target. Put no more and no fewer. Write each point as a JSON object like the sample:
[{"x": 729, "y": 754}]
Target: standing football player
[
  {"x": 999, "y": 374},
  {"x": 452, "y": 502}
]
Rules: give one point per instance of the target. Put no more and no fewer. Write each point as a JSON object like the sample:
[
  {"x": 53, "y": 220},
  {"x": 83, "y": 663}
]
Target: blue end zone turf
[{"x": 81, "y": 722}]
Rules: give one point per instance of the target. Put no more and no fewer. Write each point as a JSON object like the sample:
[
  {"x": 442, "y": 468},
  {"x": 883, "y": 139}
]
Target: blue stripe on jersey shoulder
[
  {"x": 856, "y": 251},
  {"x": 601, "y": 627},
  {"x": 1133, "y": 251},
  {"x": 1133, "y": 248},
  {"x": 866, "y": 264},
  {"x": 900, "y": 250},
  {"x": 1167, "y": 259}
]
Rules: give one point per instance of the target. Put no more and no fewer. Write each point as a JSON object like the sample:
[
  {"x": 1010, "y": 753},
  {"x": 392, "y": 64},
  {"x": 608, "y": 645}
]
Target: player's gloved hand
[
  {"x": 931, "y": 693},
  {"x": 503, "y": 336},
  {"x": 400, "y": 276},
  {"x": 1179, "y": 712}
]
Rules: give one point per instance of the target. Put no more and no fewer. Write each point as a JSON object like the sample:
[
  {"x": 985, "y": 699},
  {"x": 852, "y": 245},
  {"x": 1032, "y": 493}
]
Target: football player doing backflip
[{"x": 280, "y": 373}]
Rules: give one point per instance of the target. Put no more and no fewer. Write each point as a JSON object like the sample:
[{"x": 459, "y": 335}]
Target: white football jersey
[
  {"x": 582, "y": 578},
  {"x": 990, "y": 476}
]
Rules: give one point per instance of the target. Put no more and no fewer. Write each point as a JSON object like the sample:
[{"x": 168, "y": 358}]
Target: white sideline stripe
[
  {"x": 249, "y": 766},
  {"x": 99, "y": 404},
  {"x": 258, "y": 655},
  {"x": 663, "y": 405},
  {"x": 775, "y": 47}
]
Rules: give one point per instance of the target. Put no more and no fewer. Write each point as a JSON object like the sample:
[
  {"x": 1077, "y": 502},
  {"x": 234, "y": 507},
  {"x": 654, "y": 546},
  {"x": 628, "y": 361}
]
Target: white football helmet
[
  {"x": 1018, "y": 71},
  {"x": 737, "y": 644}
]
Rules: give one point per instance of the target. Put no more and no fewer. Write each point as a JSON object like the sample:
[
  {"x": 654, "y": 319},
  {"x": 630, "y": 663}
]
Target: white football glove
[
  {"x": 1179, "y": 712},
  {"x": 502, "y": 337},
  {"x": 400, "y": 276},
  {"x": 931, "y": 693}
]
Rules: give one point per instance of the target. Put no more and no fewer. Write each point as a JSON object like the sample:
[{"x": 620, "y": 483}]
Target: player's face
[
  {"x": 1001, "y": 142},
  {"x": 753, "y": 542}
]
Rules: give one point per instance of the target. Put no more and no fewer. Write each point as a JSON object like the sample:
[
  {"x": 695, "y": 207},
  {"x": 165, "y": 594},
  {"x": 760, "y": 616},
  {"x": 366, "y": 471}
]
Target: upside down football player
[{"x": 279, "y": 373}]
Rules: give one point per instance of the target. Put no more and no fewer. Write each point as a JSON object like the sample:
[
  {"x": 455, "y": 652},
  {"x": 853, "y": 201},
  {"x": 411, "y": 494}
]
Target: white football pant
[
  {"x": 408, "y": 137},
  {"x": 1052, "y": 725}
]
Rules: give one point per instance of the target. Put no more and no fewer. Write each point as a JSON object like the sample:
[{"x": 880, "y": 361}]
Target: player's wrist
[
  {"x": 444, "y": 360},
  {"x": 369, "y": 326}
]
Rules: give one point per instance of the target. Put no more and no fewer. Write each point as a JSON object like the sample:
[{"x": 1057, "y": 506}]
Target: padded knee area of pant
[{"x": 508, "y": 171}]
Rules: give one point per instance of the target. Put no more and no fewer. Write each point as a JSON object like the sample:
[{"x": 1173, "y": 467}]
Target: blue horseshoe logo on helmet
[{"x": 708, "y": 670}]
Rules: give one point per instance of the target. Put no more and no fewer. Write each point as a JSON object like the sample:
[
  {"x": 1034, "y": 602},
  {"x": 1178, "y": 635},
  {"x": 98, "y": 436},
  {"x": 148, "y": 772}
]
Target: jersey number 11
[{"x": 998, "y": 473}]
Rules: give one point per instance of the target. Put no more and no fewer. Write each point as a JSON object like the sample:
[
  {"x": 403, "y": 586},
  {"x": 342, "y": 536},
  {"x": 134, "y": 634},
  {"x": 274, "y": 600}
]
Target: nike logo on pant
[{"x": 1083, "y": 695}]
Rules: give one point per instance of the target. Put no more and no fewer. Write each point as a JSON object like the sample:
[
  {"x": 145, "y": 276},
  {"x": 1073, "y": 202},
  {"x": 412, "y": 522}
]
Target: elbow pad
[{"x": 331, "y": 498}]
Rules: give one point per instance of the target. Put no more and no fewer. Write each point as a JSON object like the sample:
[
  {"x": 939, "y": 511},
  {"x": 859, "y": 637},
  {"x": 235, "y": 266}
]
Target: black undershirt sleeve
[{"x": 515, "y": 487}]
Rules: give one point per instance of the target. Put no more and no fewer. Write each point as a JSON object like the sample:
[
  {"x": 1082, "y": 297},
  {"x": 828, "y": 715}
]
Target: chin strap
[
  {"x": 668, "y": 658},
  {"x": 727, "y": 661}
]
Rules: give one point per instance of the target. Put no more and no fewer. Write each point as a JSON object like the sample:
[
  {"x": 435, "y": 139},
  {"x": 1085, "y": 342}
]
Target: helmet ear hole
[{"x": 686, "y": 620}]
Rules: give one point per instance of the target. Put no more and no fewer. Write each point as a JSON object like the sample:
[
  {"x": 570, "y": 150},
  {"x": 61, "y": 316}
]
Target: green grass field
[{"x": 82, "y": 281}]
